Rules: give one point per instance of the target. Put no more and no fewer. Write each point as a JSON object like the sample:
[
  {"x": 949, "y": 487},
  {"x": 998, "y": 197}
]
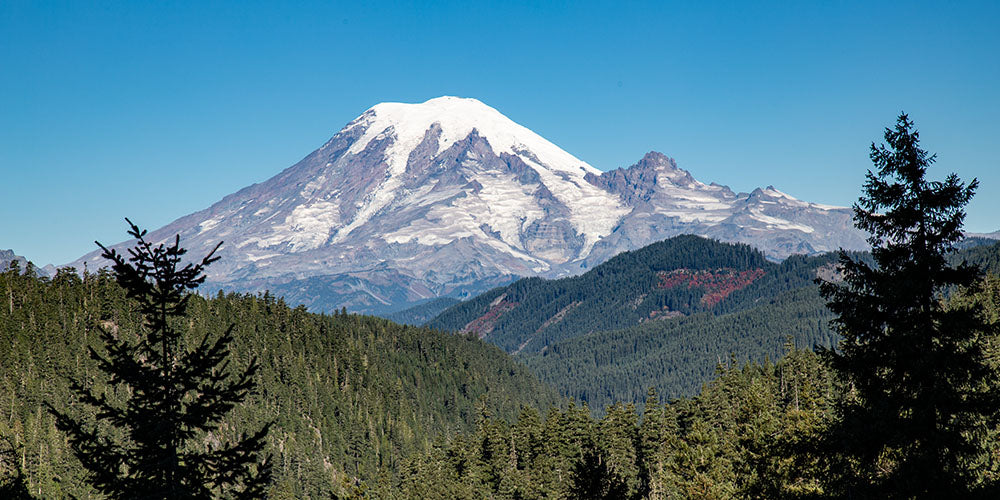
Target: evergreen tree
[
  {"x": 175, "y": 395},
  {"x": 921, "y": 395}
]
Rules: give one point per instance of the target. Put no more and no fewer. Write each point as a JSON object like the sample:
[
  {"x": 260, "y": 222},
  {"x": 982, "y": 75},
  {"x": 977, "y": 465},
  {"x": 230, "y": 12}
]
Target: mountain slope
[
  {"x": 350, "y": 396},
  {"x": 677, "y": 277},
  {"x": 9, "y": 258},
  {"x": 451, "y": 198},
  {"x": 677, "y": 356},
  {"x": 995, "y": 235},
  {"x": 667, "y": 201},
  {"x": 420, "y": 314}
]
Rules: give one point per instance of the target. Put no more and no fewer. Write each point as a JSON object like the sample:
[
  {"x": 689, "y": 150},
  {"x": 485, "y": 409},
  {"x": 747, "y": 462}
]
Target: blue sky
[{"x": 153, "y": 110}]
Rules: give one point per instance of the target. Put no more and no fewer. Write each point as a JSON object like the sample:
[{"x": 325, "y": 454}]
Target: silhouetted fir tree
[
  {"x": 175, "y": 394},
  {"x": 921, "y": 395}
]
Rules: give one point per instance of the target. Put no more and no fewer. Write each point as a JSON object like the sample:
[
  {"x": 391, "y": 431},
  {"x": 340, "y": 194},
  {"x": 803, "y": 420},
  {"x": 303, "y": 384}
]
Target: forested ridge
[
  {"x": 628, "y": 289},
  {"x": 350, "y": 395},
  {"x": 755, "y": 430},
  {"x": 676, "y": 355}
]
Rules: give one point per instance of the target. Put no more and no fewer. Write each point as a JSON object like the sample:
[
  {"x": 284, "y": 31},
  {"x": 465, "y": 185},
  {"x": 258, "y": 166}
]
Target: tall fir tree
[
  {"x": 176, "y": 393},
  {"x": 921, "y": 396}
]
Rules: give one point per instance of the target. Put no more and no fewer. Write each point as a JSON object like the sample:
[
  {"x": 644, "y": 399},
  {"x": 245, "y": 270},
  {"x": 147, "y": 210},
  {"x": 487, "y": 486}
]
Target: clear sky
[{"x": 154, "y": 110}]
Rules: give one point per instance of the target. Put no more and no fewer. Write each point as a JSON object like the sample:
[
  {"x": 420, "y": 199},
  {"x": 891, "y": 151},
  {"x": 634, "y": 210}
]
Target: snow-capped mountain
[
  {"x": 666, "y": 200},
  {"x": 450, "y": 197}
]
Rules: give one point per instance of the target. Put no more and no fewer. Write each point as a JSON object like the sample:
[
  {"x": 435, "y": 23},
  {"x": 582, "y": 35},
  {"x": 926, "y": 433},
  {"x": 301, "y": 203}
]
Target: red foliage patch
[
  {"x": 717, "y": 283},
  {"x": 485, "y": 323}
]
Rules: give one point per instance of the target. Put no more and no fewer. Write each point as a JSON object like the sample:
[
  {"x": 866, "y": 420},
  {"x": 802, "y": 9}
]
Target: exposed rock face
[
  {"x": 666, "y": 201},
  {"x": 7, "y": 257},
  {"x": 450, "y": 197}
]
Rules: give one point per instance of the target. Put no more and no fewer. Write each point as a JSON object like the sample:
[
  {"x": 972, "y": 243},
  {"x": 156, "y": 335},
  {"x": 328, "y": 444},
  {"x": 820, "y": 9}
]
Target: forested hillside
[
  {"x": 679, "y": 355},
  {"x": 413, "y": 412},
  {"x": 755, "y": 430},
  {"x": 985, "y": 255},
  {"x": 363, "y": 404},
  {"x": 676, "y": 357},
  {"x": 423, "y": 312},
  {"x": 747, "y": 434},
  {"x": 350, "y": 395},
  {"x": 679, "y": 276}
]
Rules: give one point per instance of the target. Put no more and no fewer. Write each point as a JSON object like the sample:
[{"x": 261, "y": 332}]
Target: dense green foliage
[
  {"x": 746, "y": 435},
  {"x": 678, "y": 356},
  {"x": 622, "y": 292},
  {"x": 356, "y": 397},
  {"x": 752, "y": 432},
  {"x": 350, "y": 395},
  {"x": 923, "y": 391},
  {"x": 985, "y": 257}
]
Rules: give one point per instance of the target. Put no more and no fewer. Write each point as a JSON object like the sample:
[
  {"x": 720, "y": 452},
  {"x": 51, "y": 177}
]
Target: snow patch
[
  {"x": 693, "y": 216},
  {"x": 594, "y": 213},
  {"x": 254, "y": 258},
  {"x": 502, "y": 204},
  {"x": 210, "y": 223},
  {"x": 789, "y": 199},
  {"x": 306, "y": 228},
  {"x": 774, "y": 222}
]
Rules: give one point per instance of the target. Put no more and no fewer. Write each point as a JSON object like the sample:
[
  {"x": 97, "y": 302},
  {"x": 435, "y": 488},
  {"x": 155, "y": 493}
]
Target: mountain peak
[
  {"x": 408, "y": 123},
  {"x": 656, "y": 157},
  {"x": 448, "y": 101},
  {"x": 667, "y": 169},
  {"x": 444, "y": 107}
]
